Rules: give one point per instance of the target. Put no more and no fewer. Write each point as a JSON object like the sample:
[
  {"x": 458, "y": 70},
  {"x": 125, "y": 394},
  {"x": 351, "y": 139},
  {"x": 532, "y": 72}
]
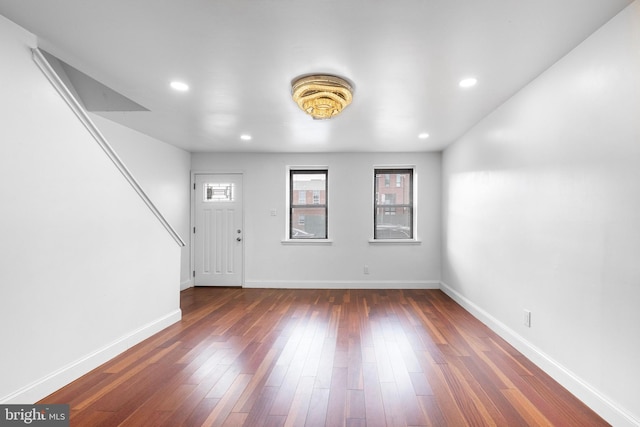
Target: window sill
[
  {"x": 395, "y": 241},
  {"x": 307, "y": 242}
]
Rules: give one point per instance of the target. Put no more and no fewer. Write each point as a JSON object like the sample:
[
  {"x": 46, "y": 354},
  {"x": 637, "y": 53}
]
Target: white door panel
[{"x": 218, "y": 230}]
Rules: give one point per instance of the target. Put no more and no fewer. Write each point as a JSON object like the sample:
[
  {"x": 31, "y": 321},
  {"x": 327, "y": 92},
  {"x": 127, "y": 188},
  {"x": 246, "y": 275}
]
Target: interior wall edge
[{"x": 186, "y": 284}]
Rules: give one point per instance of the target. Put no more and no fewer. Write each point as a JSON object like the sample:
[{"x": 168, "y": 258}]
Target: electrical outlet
[
  {"x": 527, "y": 318},
  {"x": 366, "y": 269}
]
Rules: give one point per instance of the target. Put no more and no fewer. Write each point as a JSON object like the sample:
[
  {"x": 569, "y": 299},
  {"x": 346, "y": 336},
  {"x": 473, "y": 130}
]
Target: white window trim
[
  {"x": 415, "y": 240},
  {"x": 288, "y": 241}
]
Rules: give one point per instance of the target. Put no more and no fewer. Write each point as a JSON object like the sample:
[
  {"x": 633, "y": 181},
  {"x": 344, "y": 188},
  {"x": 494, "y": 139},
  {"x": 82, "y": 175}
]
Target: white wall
[
  {"x": 542, "y": 212},
  {"x": 270, "y": 263},
  {"x": 86, "y": 270},
  {"x": 163, "y": 172}
]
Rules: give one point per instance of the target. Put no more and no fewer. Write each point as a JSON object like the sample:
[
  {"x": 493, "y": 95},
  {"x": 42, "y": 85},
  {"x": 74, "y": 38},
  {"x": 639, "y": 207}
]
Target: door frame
[{"x": 192, "y": 240}]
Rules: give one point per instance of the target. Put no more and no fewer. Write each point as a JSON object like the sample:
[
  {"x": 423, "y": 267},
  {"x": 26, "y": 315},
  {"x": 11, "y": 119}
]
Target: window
[
  {"x": 393, "y": 210},
  {"x": 308, "y": 221},
  {"x": 302, "y": 197}
]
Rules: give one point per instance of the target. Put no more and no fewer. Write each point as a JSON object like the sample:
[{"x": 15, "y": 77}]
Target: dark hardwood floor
[{"x": 273, "y": 357}]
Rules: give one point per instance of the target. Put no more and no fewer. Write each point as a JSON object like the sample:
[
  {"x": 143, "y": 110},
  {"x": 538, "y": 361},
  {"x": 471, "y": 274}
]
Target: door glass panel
[{"x": 218, "y": 192}]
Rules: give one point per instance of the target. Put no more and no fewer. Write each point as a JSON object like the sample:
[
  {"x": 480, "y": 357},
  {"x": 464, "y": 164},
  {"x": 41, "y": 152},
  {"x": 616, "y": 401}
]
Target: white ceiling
[{"x": 405, "y": 58}]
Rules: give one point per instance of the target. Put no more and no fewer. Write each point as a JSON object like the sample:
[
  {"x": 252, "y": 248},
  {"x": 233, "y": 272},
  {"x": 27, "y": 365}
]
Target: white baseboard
[
  {"x": 344, "y": 284},
  {"x": 63, "y": 376},
  {"x": 578, "y": 387},
  {"x": 186, "y": 284}
]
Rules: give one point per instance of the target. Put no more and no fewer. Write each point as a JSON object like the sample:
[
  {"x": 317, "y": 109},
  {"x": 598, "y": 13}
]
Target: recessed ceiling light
[
  {"x": 179, "y": 86},
  {"x": 245, "y": 137},
  {"x": 468, "y": 82},
  {"x": 423, "y": 135}
]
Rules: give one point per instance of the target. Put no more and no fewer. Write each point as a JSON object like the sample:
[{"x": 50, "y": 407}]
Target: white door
[{"x": 218, "y": 230}]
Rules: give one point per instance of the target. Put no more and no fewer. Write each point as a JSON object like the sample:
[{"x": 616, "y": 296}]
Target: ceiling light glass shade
[{"x": 322, "y": 96}]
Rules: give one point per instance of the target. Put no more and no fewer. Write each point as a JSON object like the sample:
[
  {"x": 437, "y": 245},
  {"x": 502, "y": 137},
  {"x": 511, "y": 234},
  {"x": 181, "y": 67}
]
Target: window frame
[
  {"x": 384, "y": 171},
  {"x": 292, "y": 171}
]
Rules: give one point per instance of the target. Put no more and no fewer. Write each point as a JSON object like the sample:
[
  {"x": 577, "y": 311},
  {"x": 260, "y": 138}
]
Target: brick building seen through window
[
  {"x": 393, "y": 210},
  {"x": 308, "y": 210}
]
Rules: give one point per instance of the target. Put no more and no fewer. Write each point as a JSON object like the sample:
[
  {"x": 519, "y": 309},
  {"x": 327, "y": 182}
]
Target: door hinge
[
  {"x": 194, "y": 185},
  {"x": 194, "y": 273},
  {"x": 194, "y": 230}
]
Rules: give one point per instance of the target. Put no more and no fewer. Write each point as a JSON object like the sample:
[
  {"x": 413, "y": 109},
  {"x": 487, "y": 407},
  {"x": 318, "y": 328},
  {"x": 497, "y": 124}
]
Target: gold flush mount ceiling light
[{"x": 322, "y": 96}]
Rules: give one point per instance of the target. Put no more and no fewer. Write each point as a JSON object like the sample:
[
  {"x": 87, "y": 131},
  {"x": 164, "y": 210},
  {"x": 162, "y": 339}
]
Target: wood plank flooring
[{"x": 354, "y": 358}]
